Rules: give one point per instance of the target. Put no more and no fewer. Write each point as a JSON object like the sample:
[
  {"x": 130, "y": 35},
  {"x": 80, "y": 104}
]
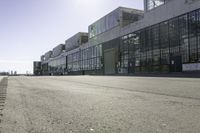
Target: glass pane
[{"x": 151, "y": 4}]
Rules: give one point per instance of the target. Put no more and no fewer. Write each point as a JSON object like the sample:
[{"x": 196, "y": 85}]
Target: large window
[
  {"x": 198, "y": 33},
  {"x": 192, "y": 20},
  {"x": 124, "y": 49},
  {"x": 183, "y": 29},
  {"x": 86, "y": 59},
  {"x": 149, "y": 49},
  {"x": 151, "y": 4},
  {"x": 57, "y": 65},
  {"x": 174, "y": 37},
  {"x": 143, "y": 54},
  {"x": 155, "y": 45},
  {"x": 137, "y": 51},
  {"x": 109, "y": 21},
  {"x": 164, "y": 43}
]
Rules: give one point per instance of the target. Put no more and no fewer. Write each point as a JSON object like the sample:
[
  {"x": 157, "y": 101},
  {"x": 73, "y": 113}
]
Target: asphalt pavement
[{"x": 101, "y": 104}]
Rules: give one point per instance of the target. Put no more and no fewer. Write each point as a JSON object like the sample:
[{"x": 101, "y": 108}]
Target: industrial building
[{"x": 165, "y": 37}]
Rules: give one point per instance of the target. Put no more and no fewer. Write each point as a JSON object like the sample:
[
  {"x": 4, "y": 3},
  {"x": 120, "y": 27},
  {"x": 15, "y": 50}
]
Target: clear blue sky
[{"x": 29, "y": 28}]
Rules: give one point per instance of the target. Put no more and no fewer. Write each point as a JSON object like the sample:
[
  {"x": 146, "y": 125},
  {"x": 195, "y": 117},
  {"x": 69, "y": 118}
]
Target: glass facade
[
  {"x": 150, "y": 49},
  {"x": 104, "y": 24},
  {"x": 129, "y": 17},
  {"x": 57, "y": 66},
  {"x": 151, "y": 4},
  {"x": 183, "y": 35},
  {"x": 37, "y": 68},
  {"x": 120, "y": 16},
  {"x": 163, "y": 47},
  {"x": 86, "y": 59},
  {"x": 192, "y": 20}
]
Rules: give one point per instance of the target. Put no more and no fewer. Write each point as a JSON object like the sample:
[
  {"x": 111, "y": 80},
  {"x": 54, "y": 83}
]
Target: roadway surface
[{"x": 97, "y": 104}]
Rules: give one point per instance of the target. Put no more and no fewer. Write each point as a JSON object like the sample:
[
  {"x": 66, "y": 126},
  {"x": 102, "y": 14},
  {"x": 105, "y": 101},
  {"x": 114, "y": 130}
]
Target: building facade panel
[
  {"x": 58, "y": 50},
  {"x": 76, "y": 41}
]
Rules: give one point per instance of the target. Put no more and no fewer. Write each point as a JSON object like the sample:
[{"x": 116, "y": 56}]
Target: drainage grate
[{"x": 3, "y": 91}]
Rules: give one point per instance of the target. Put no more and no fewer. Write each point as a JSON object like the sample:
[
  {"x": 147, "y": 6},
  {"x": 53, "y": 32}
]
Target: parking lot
[{"x": 102, "y": 104}]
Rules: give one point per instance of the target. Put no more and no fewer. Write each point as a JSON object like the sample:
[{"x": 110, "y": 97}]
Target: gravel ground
[
  {"x": 98, "y": 104},
  {"x": 1, "y": 77}
]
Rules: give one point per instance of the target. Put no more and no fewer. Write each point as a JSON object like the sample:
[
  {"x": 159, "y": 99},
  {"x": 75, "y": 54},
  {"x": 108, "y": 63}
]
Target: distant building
[
  {"x": 37, "y": 68},
  {"x": 15, "y": 73},
  {"x": 165, "y": 37},
  {"x": 4, "y": 73},
  {"x": 11, "y": 73}
]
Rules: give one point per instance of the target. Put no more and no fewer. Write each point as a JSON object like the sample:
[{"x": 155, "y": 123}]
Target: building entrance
[
  {"x": 131, "y": 66},
  {"x": 109, "y": 61},
  {"x": 176, "y": 64}
]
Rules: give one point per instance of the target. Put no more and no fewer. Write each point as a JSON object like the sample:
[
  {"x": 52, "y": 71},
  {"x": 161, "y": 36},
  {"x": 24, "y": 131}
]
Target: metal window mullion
[
  {"x": 188, "y": 23},
  {"x": 197, "y": 20}
]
